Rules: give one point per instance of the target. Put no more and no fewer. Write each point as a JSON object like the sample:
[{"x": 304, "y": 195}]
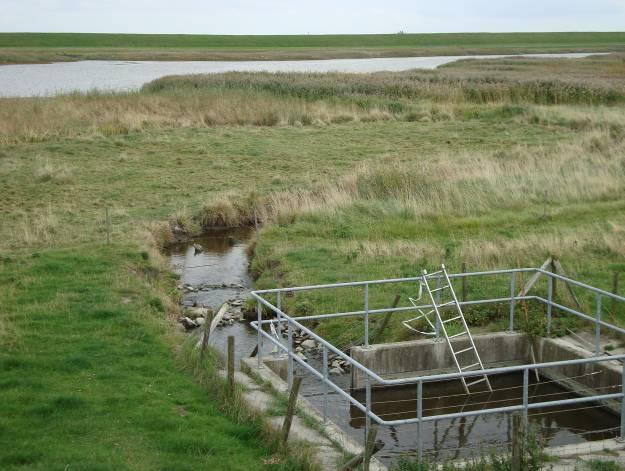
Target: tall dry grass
[
  {"x": 591, "y": 81},
  {"x": 580, "y": 177},
  {"x": 47, "y": 171},
  {"x": 39, "y": 227},
  {"x": 109, "y": 114},
  {"x": 470, "y": 184},
  {"x": 301, "y": 99},
  {"x": 498, "y": 251}
]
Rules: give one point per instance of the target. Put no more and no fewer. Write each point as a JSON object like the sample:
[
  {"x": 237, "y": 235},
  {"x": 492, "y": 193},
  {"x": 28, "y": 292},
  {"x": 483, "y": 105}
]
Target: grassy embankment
[
  {"x": 356, "y": 179},
  {"x": 50, "y": 47},
  {"x": 89, "y": 380}
]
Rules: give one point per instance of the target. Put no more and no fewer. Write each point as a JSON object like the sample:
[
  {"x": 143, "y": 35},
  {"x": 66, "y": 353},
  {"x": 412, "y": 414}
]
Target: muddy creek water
[{"x": 219, "y": 273}]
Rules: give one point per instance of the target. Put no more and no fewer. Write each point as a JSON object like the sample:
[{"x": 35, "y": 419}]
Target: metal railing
[{"x": 371, "y": 376}]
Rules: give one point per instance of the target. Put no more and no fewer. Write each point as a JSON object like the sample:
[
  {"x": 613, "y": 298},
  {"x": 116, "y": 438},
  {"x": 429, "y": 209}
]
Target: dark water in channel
[
  {"x": 460, "y": 437},
  {"x": 222, "y": 268},
  {"x": 463, "y": 437},
  {"x": 223, "y": 261}
]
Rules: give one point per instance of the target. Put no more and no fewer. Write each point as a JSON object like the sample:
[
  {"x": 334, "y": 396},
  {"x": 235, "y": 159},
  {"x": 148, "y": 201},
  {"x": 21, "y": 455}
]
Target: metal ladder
[{"x": 465, "y": 355}]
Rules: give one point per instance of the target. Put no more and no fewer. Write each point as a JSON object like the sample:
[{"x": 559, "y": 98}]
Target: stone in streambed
[{"x": 188, "y": 323}]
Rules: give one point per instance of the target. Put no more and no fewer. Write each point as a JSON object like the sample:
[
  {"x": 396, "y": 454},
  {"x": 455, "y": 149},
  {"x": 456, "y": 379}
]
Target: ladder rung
[
  {"x": 462, "y": 351},
  {"x": 439, "y": 289},
  {"x": 470, "y": 366},
  {"x": 483, "y": 378},
  {"x": 457, "y": 335},
  {"x": 452, "y": 319}
]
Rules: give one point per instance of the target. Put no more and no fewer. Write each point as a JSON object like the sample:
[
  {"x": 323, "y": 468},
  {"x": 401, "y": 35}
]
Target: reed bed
[
  {"x": 504, "y": 88},
  {"x": 590, "y": 81}
]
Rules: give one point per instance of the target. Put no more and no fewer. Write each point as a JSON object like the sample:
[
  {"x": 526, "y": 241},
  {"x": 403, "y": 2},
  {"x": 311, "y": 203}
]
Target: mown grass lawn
[{"x": 88, "y": 380}]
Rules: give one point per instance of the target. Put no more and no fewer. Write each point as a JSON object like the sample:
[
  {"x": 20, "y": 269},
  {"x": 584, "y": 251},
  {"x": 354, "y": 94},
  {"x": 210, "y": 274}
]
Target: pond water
[
  {"x": 22, "y": 80},
  {"x": 220, "y": 273}
]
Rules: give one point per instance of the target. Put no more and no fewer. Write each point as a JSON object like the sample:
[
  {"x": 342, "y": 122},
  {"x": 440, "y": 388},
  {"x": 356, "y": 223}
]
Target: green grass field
[
  {"x": 313, "y": 41},
  {"x": 38, "y": 47},
  {"x": 88, "y": 377},
  {"x": 496, "y": 163}
]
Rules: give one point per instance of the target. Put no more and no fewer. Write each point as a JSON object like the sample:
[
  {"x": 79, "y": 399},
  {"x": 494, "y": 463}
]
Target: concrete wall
[
  {"x": 424, "y": 357},
  {"x": 585, "y": 379},
  {"x": 278, "y": 365}
]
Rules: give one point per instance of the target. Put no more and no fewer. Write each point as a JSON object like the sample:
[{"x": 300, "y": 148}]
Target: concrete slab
[
  {"x": 242, "y": 379},
  {"x": 329, "y": 457},
  {"x": 258, "y": 401},
  {"x": 586, "y": 339},
  {"x": 300, "y": 432},
  {"x": 332, "y": 432},
  {"x": 587, "y": 448}
]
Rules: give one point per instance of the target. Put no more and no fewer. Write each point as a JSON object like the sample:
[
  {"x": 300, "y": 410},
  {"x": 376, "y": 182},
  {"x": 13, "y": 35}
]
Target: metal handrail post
[
  {"x": 366, "y": 316},
  {"x": 259, "y": 338},
  {"x": 289, "y": 367},
  {"x": 512, "y": 301},
  {"x": 598, "y": 326},
  {"x": 622, "y": 437},
  {"x": 325, "y": 384},
  {"x": 420, "y": 422},
  {"x": 279, "y": 306},
  {"x": 368, "y": 407},
  {"x": 549, "y": 300},
  {"x": 525, "y": 397}
]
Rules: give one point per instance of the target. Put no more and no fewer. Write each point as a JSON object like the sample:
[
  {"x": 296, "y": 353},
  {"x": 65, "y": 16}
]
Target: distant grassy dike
[{"x": 41, "y": 47}]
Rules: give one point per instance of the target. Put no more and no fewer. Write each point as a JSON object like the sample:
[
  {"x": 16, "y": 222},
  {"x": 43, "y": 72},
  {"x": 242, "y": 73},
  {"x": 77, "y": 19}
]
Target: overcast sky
[{"x": 310, "y": 16}]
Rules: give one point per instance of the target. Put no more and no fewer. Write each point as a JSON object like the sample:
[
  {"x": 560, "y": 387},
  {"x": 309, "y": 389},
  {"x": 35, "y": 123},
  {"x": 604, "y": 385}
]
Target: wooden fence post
[
  {"x": 554, "y": 284},
  {"x": 377, "y": 336},
  {"x": 517, "y": 442},
  {"x": 369, "y": 447},
  {"x": 208, "y": 320},
  {"x": 231, "y": 362},
  {"x": 290, "y": 410}
]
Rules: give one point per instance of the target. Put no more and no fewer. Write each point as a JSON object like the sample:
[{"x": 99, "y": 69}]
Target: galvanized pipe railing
[{"x": 294, "y": 322}]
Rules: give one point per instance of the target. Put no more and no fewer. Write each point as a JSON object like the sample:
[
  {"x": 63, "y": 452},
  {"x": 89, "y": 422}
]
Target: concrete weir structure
[
  {"x": 430, "y": 357},
  {"x": 520, "y": 365}
]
